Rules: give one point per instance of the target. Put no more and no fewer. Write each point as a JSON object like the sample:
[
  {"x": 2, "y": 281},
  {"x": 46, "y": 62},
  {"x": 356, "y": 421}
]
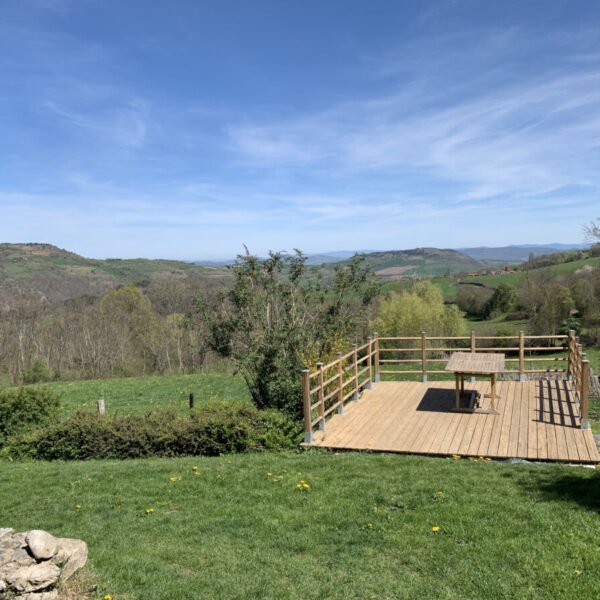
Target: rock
[
  {"x": 34, "y": 577},
  {"x": 41, "y": 544},
  {"x": 52, "y": 595},
  {"x": 5, "y": 531},
  {"x": 3, "y": 586},
  {"x": 71, "y": 556}
]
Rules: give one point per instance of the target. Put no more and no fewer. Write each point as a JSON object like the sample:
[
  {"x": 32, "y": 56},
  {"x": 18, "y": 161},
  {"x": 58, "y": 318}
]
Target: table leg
[{"x": 457, "y": 381}]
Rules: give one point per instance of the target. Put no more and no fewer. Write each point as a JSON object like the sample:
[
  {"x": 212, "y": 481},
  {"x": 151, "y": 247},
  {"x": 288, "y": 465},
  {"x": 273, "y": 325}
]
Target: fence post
[
  {"x": 340, "y": 384},
  {"x": 570, "y": 343},
  {"x": 321, "y": 394},
  {"x": 370, "y": 362},
  {"x": 585, "y": 392},
  {"x": 308, "y": 436},
  {"x": 473, "y": 348},
  {"x": 355, "y": 370},
  {"x": 423, "y": 356},
  {"x": 101, "y": 407},
  {"x": 377, "y": 373},
  {"x": 191, "y": 400},
  {"x": 522, "y": 376}
]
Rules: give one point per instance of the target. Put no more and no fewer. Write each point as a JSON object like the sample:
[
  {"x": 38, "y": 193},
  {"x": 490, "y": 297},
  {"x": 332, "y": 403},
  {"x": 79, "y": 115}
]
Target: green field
[
  {"x": 135, "y": 395},
  {"x": 363, "y": 529}
]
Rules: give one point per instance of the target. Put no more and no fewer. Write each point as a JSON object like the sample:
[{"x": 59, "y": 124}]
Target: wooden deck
[{"x": 538, "y": 420}]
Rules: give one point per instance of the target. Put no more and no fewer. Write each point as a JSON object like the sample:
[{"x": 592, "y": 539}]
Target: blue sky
[{"x": 184, "y": 129}]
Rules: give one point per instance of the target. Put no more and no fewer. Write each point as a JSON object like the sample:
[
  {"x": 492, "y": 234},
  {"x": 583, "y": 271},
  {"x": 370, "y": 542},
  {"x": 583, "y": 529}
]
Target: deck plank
[{"x": 538, "y": 420}]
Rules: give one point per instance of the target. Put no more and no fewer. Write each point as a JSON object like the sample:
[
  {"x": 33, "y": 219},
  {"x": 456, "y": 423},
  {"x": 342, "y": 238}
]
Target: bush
[
  {"x": 210, "y": 430},
  {"x": 39, "y": 373},
  {"x": 23, "y": 409}
]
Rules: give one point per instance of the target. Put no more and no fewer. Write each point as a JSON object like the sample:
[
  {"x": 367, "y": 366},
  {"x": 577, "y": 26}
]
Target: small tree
[
  {"x": 278, "y": 317},
  {"x": 419, "y": 309}
]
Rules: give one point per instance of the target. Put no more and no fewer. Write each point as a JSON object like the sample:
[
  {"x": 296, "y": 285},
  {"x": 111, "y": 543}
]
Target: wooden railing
[
  {"x": 328, "y": 387},
  {"x": 579, "y": 374},
  {"x": 428, "y": 353}
]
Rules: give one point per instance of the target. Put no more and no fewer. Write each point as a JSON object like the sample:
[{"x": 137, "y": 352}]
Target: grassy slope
[
  {"x": 363, "y": 530},
  {"x": 141, "y": 394}
]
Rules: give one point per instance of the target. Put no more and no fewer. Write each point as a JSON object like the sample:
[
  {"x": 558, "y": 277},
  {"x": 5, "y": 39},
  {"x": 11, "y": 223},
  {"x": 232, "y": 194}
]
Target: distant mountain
[
  {"x": 57, "y": 275},
  {"x": 421, "y": 262},
  {"x": 518, "y": 253}
]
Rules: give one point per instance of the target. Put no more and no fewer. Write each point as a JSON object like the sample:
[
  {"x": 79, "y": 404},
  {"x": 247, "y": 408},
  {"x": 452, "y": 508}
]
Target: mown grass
[
  {"x": 241, "y": 528},
  {"x": 136, "y": 395}
]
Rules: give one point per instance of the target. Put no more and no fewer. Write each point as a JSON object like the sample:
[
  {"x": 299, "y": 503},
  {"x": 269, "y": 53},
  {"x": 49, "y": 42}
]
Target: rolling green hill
[
  {"x": 422, "y": 262},
  {"x": 57, "y": 275}
]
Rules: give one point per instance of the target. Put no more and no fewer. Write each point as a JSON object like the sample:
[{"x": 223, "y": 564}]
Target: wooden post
[
  {"x": 191, "y": 399},
  {"x": 377, "y": 374},
  {"x": 308, "y": 436},
  {"x": 585, "y": 393},
  {"x": 321, "y": 395},
  {"x": 355, "y": 371},
  {"x": 522, "y": 356},
  {"x": 423, "y": 356},
  {"x": 340, "y": 383},
  {"x": 101, "y": 407},
  {"x": 570, "y": 357},
  {"x": 473, "y": 350},
  {"x": 370, "y": 362}
]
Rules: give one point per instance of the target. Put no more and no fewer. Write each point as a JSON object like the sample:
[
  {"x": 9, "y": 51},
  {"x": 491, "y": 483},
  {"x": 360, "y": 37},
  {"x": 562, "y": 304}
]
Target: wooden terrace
[{"x": 542, "y": 411}]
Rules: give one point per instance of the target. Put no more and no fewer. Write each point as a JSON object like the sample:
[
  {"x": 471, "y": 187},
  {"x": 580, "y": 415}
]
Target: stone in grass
[
  {"x": 42, "y": 545},
  {"x": 51, "y": 595},
  {"x": 34, "y": 577},
  {"x": 5, "y": 531},
  {"x": 71, "y": 556}
]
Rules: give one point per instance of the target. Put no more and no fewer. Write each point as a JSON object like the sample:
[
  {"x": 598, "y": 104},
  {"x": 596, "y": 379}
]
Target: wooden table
[{"x": 472, "y": 364}]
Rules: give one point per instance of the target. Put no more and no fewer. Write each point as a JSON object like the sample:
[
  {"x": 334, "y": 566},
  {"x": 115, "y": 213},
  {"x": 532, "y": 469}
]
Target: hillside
[
  {"x": 422, "y": 262},
  {"x": 58, "y": 275},
  {"x": 516, "y": 254}
]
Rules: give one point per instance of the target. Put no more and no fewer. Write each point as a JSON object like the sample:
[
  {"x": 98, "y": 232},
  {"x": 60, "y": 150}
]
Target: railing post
[
  {"x": 423, "y": 356},
  {"x": 321, "y": 394},
  {"x": 355, "y": 370},
  {"x": 308, "y": 436},
  {"x": 473, "y": 348},
  {"x": 522, "y": 376},
  {"x": 585, "y": 393},
  {"x": 340, "y": 384},
  {"x": 377, "y": 373},
  {"x": 370, "y": 362},
  {"x": 570, "y": 344}
]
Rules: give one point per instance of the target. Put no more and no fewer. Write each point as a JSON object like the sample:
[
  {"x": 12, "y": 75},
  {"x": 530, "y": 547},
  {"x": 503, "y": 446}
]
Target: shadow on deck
[{"x": 537, "y": 420}]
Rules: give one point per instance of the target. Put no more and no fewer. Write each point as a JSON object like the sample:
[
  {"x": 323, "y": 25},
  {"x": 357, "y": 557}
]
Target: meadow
[
  {"x": 367, "y": 526},
  {"x": 140, "y": 395}
]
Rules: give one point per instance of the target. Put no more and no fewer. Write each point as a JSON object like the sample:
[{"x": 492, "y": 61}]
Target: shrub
[
  {"x": 38, "y": 373},
  {"x": 23, "y": 409},
  {"x": 210, "y": 430}
]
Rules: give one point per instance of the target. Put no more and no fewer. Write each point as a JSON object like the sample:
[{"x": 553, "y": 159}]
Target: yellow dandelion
[
  {"x": 370, "y": 525},
  {"x": 107, "y": 597},
  {"x": 195, "y": 468},
  {"x": 149, "y": 511},
  {"x": 306, "y": 486},
  {"x": 578, "y": 572},
  {"x": 436, "y": 529},
  {"x": 456, "y": 456},
  {"x": 77, "y": 506},
  {"x": 174, "y": 478},
  {"x": 298, "y": 486},
  {"x": 269, "y": 474}
]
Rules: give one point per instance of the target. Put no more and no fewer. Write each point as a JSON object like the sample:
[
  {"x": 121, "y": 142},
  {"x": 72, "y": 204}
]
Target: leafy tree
[
  {"x": 503, "y": 300},
  {"x": 278, "y": 317},
  {"x": 419, "y": 309}
]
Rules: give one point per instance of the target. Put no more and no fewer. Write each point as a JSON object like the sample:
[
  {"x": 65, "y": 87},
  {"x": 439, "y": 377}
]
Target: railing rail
[{"x": 328, "y": 387}]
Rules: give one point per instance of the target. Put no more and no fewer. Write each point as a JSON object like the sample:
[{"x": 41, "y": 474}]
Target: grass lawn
[
  {"x": 131, "y": 395},
  {"x": 241, "y": 529}
]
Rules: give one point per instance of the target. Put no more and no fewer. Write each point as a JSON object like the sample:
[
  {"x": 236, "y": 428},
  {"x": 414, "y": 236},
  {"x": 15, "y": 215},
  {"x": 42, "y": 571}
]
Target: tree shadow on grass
[{"x": 579, "y": 489}]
